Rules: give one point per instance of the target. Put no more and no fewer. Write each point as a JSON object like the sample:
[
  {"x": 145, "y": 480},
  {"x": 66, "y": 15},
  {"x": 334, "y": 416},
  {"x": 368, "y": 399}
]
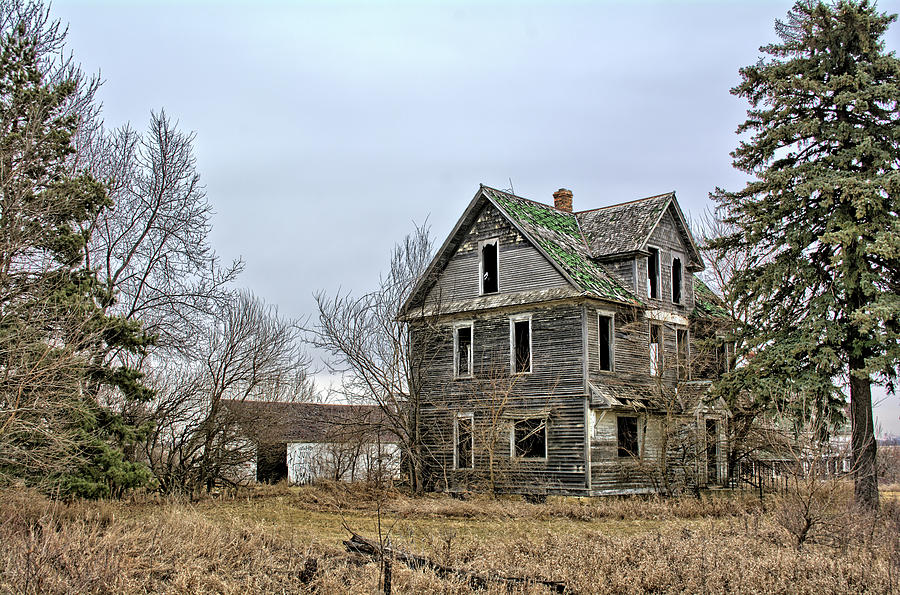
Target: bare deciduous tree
[
  {"x": 370, "y": 351},
  {"x": 248, "y": 353}
]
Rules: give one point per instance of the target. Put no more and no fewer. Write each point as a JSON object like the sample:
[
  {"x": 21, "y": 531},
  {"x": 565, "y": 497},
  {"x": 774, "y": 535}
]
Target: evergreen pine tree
[
  {"x": 820, "y": 216},
  {"x": 54, "y": 334}
]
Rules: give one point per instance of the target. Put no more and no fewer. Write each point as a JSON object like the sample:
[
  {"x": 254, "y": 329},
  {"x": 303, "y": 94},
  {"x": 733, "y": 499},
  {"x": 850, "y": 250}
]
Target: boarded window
[
  {"x": 653, "y": 273},
  {"x": 676, "y": 280},
  {"x": 656, "y": 352},
  {"x": 530, "y": 438},
  {"x": 681, "y": 340},
  {"x": 463, "y": 458},
  {"x": 463, "y": 358},
  {"x": 605, "y": 334},
  {"x": 521, "y": 347},
  {"x": 489, "y": 267},
  {"x": 628, "y": 436}
]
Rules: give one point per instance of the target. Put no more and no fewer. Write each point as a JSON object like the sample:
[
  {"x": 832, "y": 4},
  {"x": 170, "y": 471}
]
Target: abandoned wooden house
[
  {"x": 568, "y": 352},
  {"x": 304, "y": 442}
]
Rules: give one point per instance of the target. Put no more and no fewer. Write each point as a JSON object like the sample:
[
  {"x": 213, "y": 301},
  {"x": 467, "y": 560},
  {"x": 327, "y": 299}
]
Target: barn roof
[{"x": 278, "y": 421}]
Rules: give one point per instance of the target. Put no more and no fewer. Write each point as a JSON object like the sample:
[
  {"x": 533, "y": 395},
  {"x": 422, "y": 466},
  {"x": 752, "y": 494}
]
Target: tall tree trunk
[{"x": 862, "y": 438}]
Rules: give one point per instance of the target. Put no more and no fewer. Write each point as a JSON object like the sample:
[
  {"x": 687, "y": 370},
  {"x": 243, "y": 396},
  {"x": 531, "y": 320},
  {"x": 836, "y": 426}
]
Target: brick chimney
[{"x": 562, "y": 199}]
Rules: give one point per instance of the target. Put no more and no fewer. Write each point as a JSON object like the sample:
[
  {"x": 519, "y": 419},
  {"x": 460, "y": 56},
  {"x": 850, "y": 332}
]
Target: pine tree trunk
[{"x": 862, "y": 439}]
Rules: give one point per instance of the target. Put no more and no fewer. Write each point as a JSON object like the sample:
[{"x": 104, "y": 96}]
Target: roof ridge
[
  {"x": 628, "y": 202},
  {"x": 531, "y": 200}
]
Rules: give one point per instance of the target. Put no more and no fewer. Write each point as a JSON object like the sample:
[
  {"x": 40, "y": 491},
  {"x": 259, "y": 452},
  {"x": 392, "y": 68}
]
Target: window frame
[
  {"x": 512, "y": 438},
  {"x": 656, "y": 366},
  {"x": 680, "y": 284},
  {"x": 658, "y": 275},
  {"x": 684, "y": 374},
  {"x": 611, "y": 340},
  {"x": 637, "y": 438},
  {"x": 515, "y": 318},
  {"x": 470, "y": 324},
  {"x": 469, "y": 415},
  {"x": 481, "y": 244}
]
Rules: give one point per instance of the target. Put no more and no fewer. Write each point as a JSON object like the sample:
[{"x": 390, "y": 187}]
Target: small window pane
[
  {"x": 531, "y": 438},
  {"x": 681, "y": 338}
]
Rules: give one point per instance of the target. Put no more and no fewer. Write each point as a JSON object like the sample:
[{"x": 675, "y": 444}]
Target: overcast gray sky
[{"x": 325, "y": 129}]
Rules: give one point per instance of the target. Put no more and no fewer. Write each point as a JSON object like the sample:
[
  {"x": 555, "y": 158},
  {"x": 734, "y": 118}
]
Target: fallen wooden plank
[{"x": 361, "y": 545}]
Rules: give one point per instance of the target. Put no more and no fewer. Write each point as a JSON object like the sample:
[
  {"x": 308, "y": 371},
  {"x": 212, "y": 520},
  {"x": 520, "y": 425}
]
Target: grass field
[{"x": 278, "y": 539}]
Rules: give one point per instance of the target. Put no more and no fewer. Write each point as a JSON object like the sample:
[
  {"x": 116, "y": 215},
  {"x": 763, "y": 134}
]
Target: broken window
[
  {"x": 724, "y": 356},
  {"x": 676, "y": 280},
  {"x": 463, "y": 351},
  {"x": 653, "y": 273},
  {"x": 628, "y": 436},
  {"x": 490, "y": 265},
  {"x": 682, "y": 350},
  {"x": 605, "y": 333},
  {"x": 464, "y": 431},
  {"x": 656, "y": 352},
  {"x": 521, "y": 345},
  {"x": 530, "y": 438}
]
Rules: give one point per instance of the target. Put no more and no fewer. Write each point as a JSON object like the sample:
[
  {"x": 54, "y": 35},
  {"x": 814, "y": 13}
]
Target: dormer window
[
  {"x": 489, "y": 266},
  {"x": 676, "y": 280},
  {"x": 653, "y": 273}
]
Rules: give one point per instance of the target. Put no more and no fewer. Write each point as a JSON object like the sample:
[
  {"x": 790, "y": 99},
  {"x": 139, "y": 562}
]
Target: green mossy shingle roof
[
  {"x": 558, "y": 234},
  {"x": 706, "y": 303}
]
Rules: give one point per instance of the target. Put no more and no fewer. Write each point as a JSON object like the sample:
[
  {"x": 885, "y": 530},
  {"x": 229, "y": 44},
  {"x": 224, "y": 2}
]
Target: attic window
[
  {"x": 489, "y": 267},
  {"x": 653, "y": 273},
  {"x": 676, "y": 280},
  {"x": 520, "y": 344},
  {"x": 530, "y": 438}
]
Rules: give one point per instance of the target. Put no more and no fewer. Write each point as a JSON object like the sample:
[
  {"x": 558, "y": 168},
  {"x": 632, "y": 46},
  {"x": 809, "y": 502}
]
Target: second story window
[
  {"x": 462, "y": 349},
  {"x": 653, "y": 273},
  {"x": 489, "y": 266},
  {"x": 520, "y": 344},
  {"x": 605, "y": 340},
  {"x": 676, "y": 280},
  {"x": 724, "y": 355},
  {"x": 656, "y": 349}
]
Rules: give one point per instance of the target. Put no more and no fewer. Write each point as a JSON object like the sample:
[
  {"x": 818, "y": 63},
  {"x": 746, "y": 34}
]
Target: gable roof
[
  {"x": 279, "y": 421},
  {"x": 574, "y": 243},
  {"x": 706, "y": 303}
]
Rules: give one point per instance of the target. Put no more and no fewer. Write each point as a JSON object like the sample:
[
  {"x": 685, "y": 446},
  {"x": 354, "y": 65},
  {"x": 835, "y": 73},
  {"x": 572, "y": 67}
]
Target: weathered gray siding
[
  {"x": 555, "y": 388},
  {"x": 522, "y": 266},
  {"x": 670, "y": 243}
]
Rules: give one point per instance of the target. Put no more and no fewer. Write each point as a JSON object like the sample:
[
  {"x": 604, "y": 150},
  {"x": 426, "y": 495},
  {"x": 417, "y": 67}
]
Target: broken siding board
[{"x": 522, "y": 266}]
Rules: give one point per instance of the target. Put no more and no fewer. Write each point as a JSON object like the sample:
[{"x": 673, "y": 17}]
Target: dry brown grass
[{"x": 264, "y": 541}]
